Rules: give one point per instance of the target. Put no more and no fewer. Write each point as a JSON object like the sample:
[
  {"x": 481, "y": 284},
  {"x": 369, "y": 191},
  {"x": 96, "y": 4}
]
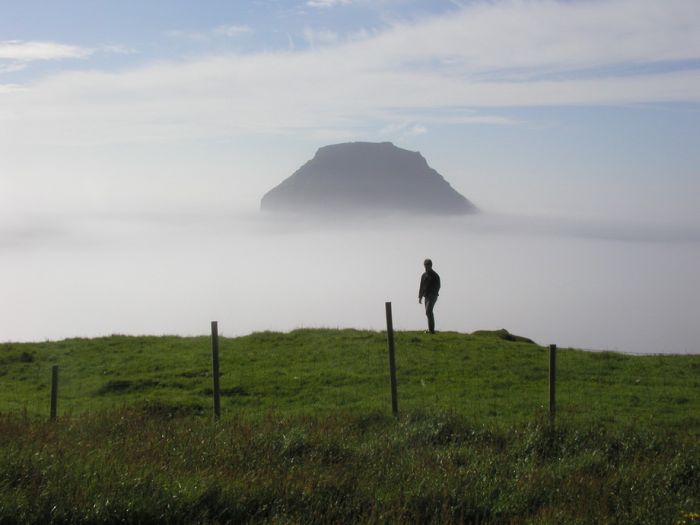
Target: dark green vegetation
[
  {"x": 132, "y": 466},
  {"x": 307, "y": 435}
]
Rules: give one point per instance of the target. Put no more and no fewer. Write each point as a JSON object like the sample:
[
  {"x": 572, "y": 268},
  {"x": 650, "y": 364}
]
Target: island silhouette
[{"x": 357, "y": 177}]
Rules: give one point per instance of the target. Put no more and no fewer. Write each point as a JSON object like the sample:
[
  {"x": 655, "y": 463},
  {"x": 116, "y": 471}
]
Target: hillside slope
[{"x": 482, "y": 376}]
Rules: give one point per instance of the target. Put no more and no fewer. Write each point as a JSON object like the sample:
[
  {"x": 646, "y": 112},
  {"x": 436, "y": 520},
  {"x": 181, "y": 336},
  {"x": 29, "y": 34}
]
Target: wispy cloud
[
  {"x": 23, "y": 51},
  {"x": 485, "y": 55},
  {"x": 401, "y": 131},
  {"x": 226, "y": 31},
  {"x": 12, "y": 67},
  {"x": 16, "y": 55},
  {"x": 493, "y": 37},
  {"x": 326, "y": 3},
  {"x": 315, "y": 37}
]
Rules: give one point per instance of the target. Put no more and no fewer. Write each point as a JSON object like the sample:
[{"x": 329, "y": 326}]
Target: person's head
[{"x": 428, "y": 264}]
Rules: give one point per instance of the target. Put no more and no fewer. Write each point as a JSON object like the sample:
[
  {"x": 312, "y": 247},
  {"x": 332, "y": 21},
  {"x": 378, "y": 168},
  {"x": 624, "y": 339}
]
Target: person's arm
[{"x": 420, "y": 289}]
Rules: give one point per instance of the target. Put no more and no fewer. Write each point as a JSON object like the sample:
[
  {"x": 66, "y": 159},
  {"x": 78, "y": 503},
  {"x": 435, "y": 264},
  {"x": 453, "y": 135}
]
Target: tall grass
[{"x": 426, "y": 467}]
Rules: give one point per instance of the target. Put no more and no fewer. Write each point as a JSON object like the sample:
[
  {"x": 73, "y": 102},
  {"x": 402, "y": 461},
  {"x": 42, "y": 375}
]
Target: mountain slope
[{"x": 365, "y": 176}]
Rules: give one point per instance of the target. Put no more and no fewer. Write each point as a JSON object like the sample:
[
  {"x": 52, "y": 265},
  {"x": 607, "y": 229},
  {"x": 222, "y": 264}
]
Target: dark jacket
[{"x": 429, "y": 284}]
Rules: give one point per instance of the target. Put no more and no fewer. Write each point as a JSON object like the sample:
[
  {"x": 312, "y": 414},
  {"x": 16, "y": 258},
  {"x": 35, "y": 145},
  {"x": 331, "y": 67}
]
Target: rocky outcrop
[{"x": 365, "y": 176}]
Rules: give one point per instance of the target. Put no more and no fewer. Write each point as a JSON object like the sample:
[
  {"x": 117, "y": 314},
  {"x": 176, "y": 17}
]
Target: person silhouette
[{"x": 429, "y": 288}]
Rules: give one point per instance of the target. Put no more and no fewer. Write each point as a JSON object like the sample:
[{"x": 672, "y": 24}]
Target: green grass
[
  {"x": 132, "y": 466},
  {"x": 307, "y": 434},
  {"x": 482, "y": 376}
]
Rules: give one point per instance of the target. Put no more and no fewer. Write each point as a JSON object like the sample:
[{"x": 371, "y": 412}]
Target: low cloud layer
[{"x": 80, "y": 276}]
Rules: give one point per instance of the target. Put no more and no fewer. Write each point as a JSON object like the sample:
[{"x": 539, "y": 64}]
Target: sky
[
  {"x": 138, "y": 137},
  {"x": 570, "y": 108}
]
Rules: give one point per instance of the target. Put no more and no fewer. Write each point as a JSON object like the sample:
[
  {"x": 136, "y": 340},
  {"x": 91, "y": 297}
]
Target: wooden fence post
[
  {"x": 215, "y": 368},
  {"x": 392, "y": 360},
  {"x": 552, "y": 382},
  {"x": 54, "y": 391}
]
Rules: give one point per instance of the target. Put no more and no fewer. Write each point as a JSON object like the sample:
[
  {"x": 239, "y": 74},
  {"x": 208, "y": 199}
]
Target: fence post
[
  {"x": 54, "y": 391},
  {"x": 392, "y": 360},
  {"x": 215, "y": 368},
  {"x": 552, "y": 382}
]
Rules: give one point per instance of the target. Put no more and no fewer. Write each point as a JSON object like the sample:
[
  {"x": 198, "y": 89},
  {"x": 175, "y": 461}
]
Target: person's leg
[{"x": 429, "y": 305}]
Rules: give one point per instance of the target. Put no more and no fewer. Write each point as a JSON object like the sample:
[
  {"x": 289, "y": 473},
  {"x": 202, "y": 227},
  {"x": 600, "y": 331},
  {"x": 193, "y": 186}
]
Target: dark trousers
[{"x": 429, "y": 305}]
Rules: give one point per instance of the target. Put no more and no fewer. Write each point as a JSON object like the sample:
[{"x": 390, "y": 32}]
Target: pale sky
[{"x": 576, "y": 108}]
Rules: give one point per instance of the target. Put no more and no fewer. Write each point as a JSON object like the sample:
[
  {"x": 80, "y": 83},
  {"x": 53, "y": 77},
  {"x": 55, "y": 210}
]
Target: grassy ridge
[
  {"x": 482, "y": 376},
  {"x": 307, "y": 436}
]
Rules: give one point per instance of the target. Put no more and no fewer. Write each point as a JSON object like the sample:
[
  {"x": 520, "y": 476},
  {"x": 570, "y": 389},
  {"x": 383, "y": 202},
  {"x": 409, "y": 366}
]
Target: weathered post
[
  {"x": 392, "y": 360},
  {"x": 552, "y": 382},
  {"x": 215, "y": 368},
  {"x": 54, "y": 391}
]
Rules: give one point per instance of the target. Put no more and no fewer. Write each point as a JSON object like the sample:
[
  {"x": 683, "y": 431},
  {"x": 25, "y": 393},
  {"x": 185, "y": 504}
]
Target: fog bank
[{"x": 631, "y": 288}]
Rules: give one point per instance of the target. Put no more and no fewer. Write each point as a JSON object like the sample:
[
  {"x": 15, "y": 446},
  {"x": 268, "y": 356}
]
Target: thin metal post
[
  {"x": 54, "y": 391},
  {"x": 392, "y": 359},
  {"x": 215, "y": 368}
]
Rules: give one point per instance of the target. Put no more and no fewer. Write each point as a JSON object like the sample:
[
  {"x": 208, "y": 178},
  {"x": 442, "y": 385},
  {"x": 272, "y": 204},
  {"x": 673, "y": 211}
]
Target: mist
[{"x": 593, "y": 285}]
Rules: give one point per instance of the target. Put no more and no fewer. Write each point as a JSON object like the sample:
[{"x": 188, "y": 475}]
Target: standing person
[{"x": 429, "y": 288}]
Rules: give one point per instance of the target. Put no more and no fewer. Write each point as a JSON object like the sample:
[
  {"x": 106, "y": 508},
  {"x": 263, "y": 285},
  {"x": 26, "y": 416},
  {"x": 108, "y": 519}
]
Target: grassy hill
[
  {"x": 487, "y": 376},
  {"x": 307, "y": 434}
]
